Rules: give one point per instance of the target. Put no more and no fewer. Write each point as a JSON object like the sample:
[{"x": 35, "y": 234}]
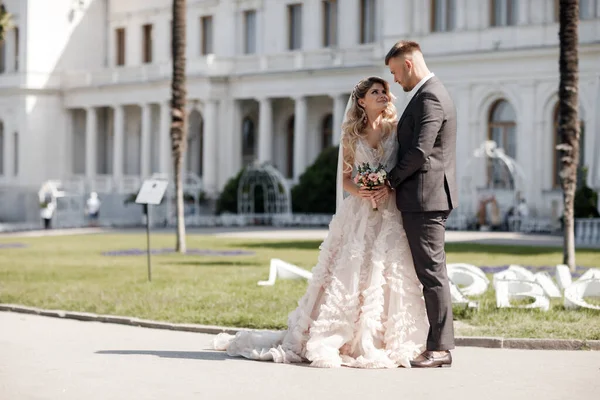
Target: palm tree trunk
[
  {"x": 5, "y": 22},
  {"x": 178, "y": 118},
  {"x": 568, "y": 119}
]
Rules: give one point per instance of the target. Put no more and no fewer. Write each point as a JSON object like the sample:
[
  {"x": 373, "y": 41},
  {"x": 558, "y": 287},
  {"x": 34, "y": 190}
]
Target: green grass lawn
[{"x": 70, "y": 273}]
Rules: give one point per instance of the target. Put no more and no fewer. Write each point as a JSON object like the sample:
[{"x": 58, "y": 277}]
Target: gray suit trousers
[{"x": 425, "y": 232}]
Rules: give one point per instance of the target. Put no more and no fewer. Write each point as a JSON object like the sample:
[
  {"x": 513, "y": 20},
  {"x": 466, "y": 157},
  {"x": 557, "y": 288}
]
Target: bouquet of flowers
[{"x": 370, "y": 177}]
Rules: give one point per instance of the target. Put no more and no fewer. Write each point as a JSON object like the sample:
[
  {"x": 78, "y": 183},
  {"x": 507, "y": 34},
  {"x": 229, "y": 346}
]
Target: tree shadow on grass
[
  {"x": 296, "y": 245},
  {"x": 454, "y": 247},
  {"x": 506, "y": 249},
  {"x": 193, "y": 263}
]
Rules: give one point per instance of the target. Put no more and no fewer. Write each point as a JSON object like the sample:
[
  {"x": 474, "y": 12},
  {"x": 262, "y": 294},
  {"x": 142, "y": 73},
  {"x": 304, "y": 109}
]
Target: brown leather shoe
[{"x": 430, "y": 361}]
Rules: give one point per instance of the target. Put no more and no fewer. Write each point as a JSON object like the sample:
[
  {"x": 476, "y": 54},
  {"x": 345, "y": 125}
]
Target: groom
[{"x": 425, "y": 183}]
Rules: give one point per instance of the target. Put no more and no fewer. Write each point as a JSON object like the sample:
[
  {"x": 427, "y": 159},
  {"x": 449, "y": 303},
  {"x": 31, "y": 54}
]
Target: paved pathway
[
  {"x": 55, "y": 232},
  {"x": 508, "y": 238},
  {"x": 258, "y": 232},
  {"x": 48, "y": 358}
]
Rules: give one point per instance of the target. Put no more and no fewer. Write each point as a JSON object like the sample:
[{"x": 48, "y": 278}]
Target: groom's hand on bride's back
[{"x": 389, "y": 183}]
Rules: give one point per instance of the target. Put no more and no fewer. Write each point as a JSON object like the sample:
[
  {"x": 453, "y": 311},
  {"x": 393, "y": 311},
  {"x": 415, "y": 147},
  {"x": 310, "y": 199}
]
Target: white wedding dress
[{"x": 364, "y": 306}]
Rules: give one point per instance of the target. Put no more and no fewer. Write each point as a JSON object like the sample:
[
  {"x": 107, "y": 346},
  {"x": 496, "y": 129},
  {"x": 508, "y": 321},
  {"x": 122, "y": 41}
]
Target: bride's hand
[
  {"x": 365, "y": 193},
  {"x": 382, "y": 193},
  {"x": 369, "y": 193}
]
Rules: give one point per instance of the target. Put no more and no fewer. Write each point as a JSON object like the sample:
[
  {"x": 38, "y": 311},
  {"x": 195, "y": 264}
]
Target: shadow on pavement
[{"x": 191, "y": 355}]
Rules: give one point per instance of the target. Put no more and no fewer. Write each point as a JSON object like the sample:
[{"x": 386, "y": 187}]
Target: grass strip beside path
[{"x": 70, "y": 273}]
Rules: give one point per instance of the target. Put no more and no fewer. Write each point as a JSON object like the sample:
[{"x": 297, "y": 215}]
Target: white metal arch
[{"x": 276, "y": 192}]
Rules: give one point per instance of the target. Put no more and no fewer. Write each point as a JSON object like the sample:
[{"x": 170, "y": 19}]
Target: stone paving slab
[{"x": 50, "y": 358}]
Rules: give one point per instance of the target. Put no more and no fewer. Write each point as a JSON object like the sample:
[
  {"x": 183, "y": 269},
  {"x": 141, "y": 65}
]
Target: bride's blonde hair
[{"x": 354, "y": 126}]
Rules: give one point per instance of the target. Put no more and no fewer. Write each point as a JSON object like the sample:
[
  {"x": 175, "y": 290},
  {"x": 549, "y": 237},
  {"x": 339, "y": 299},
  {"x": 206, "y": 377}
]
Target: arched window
[
  {"x": 502, "y": 130},
  {"x": 248, "y": 141},
  {"x": 327, "y": 132},
  {"x": 290, "y": 148},
  {"x": 556, "y": 153}
]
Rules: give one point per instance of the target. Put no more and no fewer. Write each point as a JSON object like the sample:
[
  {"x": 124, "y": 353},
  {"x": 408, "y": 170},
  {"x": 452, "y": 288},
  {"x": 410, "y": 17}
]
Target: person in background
[
  {"x": 92, "y": 208},
  {"x": 47, "y": 208}
]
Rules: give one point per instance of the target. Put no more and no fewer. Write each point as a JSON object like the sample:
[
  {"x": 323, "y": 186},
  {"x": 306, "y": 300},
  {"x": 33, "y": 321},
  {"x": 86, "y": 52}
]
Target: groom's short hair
[{"x": 402, "y": 48}]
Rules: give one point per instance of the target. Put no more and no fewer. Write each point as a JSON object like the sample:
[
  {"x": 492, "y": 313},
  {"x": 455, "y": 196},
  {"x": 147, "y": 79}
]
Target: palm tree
[
  {"x": 5, "y": 22},
  {"x": 178, "y": 118},
  {"x": 568, "y": 119}
]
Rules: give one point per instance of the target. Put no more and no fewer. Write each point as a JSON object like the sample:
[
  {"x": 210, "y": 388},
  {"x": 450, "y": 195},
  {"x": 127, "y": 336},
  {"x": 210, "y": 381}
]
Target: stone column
[
  {"x": 91, "y": 141},
  {"x": 209, "y": 156},
  {"x": 164, "y": 140},
  {"x": 9, "y": 51},
  {"x": 9, "y": 149},
  {"x": 421, "y": 17},
  {"x": 465, "y": 150},
  {"x": 541, "y": 12},
  {"x": 339, "y": 106},
  {"x": 67, "y": 143},
  {"x": 265, "y": 130},
  {"x": 119, "y": 131},
  {"x": 145, "y": 140},
  {"x": 348, "y": 22},
  {"x": 482, "y": 17},
  {"x": 300, "y": 137},
  {"x": 594, "y": 141},
  {"x": 312, "y": 21},
  {"x": 460, "y": 13},
  {"x": 527, "y": 151},
  {"x": 236, "y": 139},
  {"x": 523, "y": 12}
]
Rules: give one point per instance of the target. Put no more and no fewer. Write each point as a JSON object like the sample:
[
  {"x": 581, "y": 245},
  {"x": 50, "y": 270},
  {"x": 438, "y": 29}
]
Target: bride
[{"x": 363, "y": 306}]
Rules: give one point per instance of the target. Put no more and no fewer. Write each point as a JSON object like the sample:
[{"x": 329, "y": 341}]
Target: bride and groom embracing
[{"x": 379, "y": 296}]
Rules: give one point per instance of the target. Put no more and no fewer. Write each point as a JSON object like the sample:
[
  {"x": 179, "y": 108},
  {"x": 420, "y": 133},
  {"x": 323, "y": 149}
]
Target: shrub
[
  {"x": 315, "y": 193},
  {"x": 227, "y": 201},
  {"x": 586, "y": 199}
]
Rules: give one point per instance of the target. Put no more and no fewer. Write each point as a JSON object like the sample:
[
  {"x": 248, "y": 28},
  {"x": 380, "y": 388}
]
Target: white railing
[
  {"x": 101, "y": 184},
  {"x": 130, "y": 184},
  {"x": 250, "y": 63},
  {"x": 325, "y": 58},
  {"x": 215, "y": 65},
  {"x": 587, "y": 231},
  {"x": 363, "y": 55},
  {"x": 103, "y": 77},
  {"x": 11, "y": 79},
  {"x": 76, "y": 184},
  {"x": 457, "y": 221},
  {"x": 284, "y": 61},
  {"x": 256, "y": 219},
  {"x": 533, "y": 225}
]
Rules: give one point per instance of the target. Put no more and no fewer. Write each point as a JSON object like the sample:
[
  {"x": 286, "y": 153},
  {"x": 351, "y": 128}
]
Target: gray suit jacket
[{"x": 425, "y": 175}]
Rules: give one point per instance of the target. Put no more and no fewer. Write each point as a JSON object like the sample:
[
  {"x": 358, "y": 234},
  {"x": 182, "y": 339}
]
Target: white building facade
[{"x": 85, "y": 86}]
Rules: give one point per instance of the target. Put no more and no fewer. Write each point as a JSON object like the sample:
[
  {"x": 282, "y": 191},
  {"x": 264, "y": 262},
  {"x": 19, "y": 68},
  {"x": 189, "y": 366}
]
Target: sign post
[{"x": 151, "y": 192}]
